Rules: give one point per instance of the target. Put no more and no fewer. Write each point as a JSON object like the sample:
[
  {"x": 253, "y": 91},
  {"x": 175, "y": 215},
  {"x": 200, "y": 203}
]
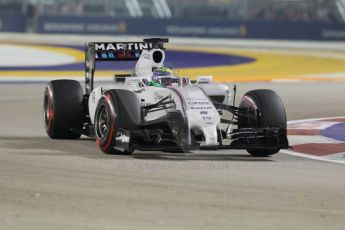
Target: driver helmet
[
  {"x": 163, "y": 75},
  {"x": 162, "y": 72}
]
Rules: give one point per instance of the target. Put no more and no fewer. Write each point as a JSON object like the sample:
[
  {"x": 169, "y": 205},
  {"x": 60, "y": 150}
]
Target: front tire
[
  {"x": 63, "y": 109},
  {"x": 271, "y": 114},
  {"x": 106, "y": 124}
]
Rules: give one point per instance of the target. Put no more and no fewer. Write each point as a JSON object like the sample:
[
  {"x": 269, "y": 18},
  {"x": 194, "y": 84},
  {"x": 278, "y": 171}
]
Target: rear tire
[
  {"x": 63, "y": 109},
  {"x": 106, "y": 124},
  {"x": 271, "y": 114}
]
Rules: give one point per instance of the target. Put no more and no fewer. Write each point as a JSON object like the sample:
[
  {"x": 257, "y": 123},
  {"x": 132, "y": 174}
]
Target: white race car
[{"x": 153, "y": 109}]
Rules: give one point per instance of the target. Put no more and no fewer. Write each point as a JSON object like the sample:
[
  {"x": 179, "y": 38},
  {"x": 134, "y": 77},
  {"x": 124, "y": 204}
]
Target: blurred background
[{"x": 282, "y": 19}]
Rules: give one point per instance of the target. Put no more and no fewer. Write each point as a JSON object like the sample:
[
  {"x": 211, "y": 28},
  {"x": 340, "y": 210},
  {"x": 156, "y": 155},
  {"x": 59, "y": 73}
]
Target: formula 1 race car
[{"x": 153, "y": 109}]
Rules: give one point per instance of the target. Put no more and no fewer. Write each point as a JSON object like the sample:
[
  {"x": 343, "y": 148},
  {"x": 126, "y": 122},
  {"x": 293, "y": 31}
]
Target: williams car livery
[{"x": 153, "y": 109}]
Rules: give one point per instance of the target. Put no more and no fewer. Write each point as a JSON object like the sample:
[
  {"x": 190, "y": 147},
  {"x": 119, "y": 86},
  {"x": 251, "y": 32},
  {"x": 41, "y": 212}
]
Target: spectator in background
[
  {"x": 66, "y": 8},
  {"x": 31, "y": 8},
  {"x": 79, "y": 8},
  {"x": 268, "y": 10},
  {"x": 323, "y": 11}
]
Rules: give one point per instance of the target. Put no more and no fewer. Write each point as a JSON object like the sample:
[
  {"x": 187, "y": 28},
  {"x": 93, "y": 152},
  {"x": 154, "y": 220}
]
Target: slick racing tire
[
  {"x": 63, "y": 109},
  {"x": 271, "y": 114},
  {"x": 106, "y": 124}
]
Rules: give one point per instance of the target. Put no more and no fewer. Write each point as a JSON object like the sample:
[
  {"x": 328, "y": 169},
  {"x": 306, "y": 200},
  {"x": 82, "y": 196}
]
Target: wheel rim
[
  {"x": 102, "y": 127},
  {"x": 48, "y": 113}
]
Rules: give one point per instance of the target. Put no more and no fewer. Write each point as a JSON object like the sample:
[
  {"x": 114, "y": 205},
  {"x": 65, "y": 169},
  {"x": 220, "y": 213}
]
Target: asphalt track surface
[{"x": 54, "y": 184}]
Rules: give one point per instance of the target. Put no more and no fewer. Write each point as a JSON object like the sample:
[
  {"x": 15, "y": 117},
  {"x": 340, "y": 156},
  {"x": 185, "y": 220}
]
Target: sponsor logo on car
[{"x": 123, "y": 46}]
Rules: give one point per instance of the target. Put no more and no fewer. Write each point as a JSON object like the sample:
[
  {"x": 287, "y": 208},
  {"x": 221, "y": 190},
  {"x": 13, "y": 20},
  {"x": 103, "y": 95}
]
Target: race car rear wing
[{"x": 115, "y": 51}]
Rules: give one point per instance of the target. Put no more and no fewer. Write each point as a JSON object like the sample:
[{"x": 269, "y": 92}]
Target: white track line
[
  {"x": 313, "y": 119},
  {"x": 15, "y": 79},
  {"x": 289, "y": 152}
]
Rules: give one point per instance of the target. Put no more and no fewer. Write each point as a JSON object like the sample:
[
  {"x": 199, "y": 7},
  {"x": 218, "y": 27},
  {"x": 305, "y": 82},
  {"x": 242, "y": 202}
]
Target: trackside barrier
[{"x": 190, "y": 28}]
